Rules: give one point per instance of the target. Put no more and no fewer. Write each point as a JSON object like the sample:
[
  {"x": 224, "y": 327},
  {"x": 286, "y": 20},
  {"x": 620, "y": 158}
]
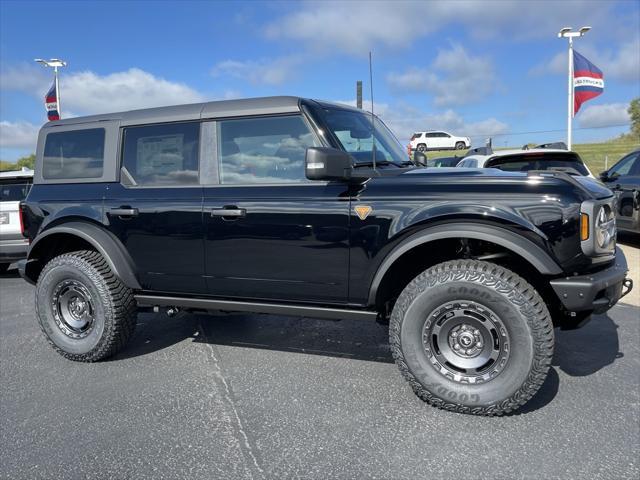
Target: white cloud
[
  {"x": 356, "y": 27},
  {"x": 604, "y": 115},
  {"x": 265, "y": 71},
  {"x": 90, "y": 93},
  {"x": 454, "y": 78},
  {"x": 18, "y": 135}
]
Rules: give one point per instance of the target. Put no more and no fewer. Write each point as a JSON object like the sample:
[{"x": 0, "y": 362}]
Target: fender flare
[
  {"x": 518, "y": 244},
  {"x": 103, "y": 241}
]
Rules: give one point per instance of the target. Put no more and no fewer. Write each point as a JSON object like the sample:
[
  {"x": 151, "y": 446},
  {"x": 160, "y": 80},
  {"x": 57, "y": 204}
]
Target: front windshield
[{"x": 357, "y": 134}]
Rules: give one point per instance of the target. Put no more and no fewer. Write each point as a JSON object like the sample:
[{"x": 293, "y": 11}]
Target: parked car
[
  {"x": 14, "y": 186},
  {"x": 437, "y": 140},
  {"x": 624, "y": 179},
  {"x": 443, "y": 162},
  {"x": 520, "y": 160},
  {"x": 282, "y": 205}
]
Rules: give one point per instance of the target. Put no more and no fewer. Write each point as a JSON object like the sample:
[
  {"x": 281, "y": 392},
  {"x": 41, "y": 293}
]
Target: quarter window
[
  {"x": 263, "y": 150},
  {"x": 165, "y": 154},
  {"x": 74, "y": 154}
]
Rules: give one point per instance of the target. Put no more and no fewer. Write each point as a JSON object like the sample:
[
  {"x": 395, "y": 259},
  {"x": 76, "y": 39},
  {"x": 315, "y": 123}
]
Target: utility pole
[
  {"x": 567, "y": 32},
  {"x": 55, "y": 63}
]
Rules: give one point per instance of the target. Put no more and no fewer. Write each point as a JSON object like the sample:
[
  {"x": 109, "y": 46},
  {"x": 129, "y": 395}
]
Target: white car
[
  {"x": 519, "y": 160},
  {"x": 438, "y": 140},
  {"x": 14, "y": 187}
]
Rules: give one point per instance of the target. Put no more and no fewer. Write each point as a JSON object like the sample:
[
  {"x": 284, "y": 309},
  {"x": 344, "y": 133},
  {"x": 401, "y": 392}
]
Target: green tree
[
  {"x": 28, "y": 161},
  {"x": 634, "y": 113}
]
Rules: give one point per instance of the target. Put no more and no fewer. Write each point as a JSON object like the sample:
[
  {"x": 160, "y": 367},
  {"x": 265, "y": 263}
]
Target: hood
[{"x": 595, "y": 187}]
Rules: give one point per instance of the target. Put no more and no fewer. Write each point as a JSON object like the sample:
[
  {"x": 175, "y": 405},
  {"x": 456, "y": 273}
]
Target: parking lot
[{"x": 242, "y": 396}]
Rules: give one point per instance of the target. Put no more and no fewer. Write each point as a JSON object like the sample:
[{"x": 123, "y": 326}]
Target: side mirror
[
  {"x": 420, "y": 158},
  {"x": 324, "y": 163},
  {"x": 604, "y": 176}
]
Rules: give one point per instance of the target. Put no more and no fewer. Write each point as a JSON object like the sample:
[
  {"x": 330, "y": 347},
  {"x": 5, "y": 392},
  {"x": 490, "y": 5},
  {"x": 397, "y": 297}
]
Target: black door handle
[
  {"x": 124, "y": 212},
  {"x": 228, "y": 212}
]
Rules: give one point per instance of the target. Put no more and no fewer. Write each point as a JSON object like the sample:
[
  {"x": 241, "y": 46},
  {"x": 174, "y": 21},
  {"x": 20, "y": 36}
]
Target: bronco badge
[{"x": 362, "y": 211}]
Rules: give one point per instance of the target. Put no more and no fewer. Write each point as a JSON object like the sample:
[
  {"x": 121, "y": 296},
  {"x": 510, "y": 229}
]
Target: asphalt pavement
[{"x": 256, "y": 396}]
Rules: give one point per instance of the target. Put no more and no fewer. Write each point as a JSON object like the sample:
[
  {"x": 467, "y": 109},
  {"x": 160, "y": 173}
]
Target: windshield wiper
[{"x": 376, "y": 163}]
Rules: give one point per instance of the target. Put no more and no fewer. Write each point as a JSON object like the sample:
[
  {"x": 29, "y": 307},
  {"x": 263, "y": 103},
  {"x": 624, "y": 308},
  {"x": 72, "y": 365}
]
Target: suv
[
  {"x": 538, "y": 158},
  {"x": 624, "y": 179},
  {"x": 291, "y": 206},
  {"x": 14, "y": 186},
  {"x": 437, "y": 140}
]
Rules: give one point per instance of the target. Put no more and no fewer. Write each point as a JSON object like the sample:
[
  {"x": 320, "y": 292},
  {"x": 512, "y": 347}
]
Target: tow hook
[{"x": 627, "y": 284}]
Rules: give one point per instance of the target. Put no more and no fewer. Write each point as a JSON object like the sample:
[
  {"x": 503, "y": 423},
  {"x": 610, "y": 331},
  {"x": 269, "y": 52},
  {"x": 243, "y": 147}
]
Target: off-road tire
[
  {"x": 421, "y": 147},
  {"x": 113, "y": 302},
  {"x": 460, "y": 146},
  {"x": 518, "y": 306}
]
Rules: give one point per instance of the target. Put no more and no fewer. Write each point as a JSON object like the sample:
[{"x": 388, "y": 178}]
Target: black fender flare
[
  {"x": 508, "y": 239},
  {"x": 102, "y": 240}
]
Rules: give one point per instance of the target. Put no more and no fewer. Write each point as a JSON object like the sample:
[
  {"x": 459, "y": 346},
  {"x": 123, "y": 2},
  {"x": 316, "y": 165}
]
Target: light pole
[
  {"x": 567, "y": 32},
  {"x": 55, "y": 63}
]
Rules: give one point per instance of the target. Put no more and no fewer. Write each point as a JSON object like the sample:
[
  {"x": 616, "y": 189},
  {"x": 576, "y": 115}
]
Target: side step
[{"x": 256, "y": 307}]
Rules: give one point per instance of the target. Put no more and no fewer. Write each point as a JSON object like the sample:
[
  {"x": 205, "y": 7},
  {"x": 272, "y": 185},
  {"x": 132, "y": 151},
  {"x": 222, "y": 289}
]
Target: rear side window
[
  {"x": 14, "y": 192},
  {"x": 566, "y": 162},
  {"x": 74, "y": 154},
  {"x": 164, "y": 154}
]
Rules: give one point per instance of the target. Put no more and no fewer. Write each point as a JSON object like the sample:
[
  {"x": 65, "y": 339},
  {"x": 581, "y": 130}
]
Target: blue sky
[{"x": 473, "y": 68}]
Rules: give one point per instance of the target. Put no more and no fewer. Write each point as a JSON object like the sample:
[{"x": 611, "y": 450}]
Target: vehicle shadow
[{"x": 583, "y": 352}]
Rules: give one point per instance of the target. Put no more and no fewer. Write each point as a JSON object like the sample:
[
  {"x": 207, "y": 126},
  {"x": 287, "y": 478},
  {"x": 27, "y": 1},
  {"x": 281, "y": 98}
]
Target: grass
[{"x": 597, "y": 156}]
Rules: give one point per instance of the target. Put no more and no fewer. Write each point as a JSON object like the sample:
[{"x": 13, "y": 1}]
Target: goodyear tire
[
  {"x": 85, "y": 311},
  {"x": 472, "y": 337}
]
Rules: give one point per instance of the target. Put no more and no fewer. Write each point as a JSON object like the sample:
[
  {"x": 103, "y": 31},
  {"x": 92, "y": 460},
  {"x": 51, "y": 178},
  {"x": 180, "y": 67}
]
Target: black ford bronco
[{"x": 291, "y": 206}]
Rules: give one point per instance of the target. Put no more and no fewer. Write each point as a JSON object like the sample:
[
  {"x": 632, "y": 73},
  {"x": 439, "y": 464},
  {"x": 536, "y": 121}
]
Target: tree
[
  {"x": 28, "y": 161},
  {"x": 634, "y": 113}
]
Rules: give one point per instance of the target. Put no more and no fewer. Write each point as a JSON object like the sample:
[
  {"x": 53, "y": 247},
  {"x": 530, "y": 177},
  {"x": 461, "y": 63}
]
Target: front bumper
[
  {"x": 598, "y": 291},
  {"x": 12, "y": 250}
]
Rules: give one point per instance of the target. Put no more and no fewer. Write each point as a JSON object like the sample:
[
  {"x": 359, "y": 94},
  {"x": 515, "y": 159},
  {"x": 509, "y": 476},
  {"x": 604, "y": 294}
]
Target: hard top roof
[
  {"x": 193, "y": 111},
  {"x": 519, "y": 151}
]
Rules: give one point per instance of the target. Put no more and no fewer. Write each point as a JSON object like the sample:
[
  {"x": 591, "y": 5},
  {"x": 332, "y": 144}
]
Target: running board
[{"x": 256, "y": 307}]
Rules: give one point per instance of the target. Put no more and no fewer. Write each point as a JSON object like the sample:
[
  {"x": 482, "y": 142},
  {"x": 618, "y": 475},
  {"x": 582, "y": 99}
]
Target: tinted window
[
  {"x": 567, "y": 162},
  {"x": 14, "y": 192},
  {"x": 624, "y": 166},
  {"x": 74, "y": 154},
  {"x": 416, "y": 135},
  {"x": 162, "y": 154},
  {"x": 263, "y": 150}
]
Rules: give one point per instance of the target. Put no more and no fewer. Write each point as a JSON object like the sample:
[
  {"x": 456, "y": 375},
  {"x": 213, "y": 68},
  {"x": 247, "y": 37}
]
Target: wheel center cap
[{"x": 465, "y": 341}]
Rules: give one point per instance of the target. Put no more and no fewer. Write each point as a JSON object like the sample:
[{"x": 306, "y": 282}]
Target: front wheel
[
  {"x": 472, "y": 337},
  {"x": 85, "y": 311}
]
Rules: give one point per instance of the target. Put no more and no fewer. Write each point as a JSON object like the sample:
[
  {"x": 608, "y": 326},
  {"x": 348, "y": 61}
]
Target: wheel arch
[
  {"x": 64, "y": 237},
  {"x": 535, "y": 256}
]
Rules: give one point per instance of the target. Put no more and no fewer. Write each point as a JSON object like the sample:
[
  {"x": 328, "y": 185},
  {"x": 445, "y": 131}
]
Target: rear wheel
[
  {"x": 421, "y": 147},
  {"x": 85, "y": 311},
  {"x": 460, "y": 146},
  {"x": 4, "y": 267},
  {"x": 472, "y": 337}
]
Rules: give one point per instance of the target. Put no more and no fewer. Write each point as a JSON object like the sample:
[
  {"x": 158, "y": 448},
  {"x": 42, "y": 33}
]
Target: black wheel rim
[
  {"x": 73, "y": 308},
  {"x": 466, "y": 342}
]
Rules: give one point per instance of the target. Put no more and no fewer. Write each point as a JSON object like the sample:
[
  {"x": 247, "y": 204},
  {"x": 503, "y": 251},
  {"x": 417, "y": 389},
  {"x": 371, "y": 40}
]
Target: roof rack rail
[
  {"x": 564, "y": 176},
  {"x": 558, "y": 145}
]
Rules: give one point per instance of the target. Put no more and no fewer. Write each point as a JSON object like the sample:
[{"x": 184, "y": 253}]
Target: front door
[
  {"x": 269, "y": 232},
  {"x": 156, "y": 209}
]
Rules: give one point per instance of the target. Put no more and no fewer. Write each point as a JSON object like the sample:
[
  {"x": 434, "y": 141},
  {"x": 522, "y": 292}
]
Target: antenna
[{"x": 373, "y": 117}]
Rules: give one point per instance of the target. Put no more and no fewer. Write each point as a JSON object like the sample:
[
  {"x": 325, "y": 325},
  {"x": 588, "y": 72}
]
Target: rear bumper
[
  {"x": 12, "y": 250},
  {"x": 597, "y": 291}
]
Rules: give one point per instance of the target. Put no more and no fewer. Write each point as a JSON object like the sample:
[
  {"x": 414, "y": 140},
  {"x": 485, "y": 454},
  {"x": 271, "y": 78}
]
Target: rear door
[
  {"x": 156, "y": 208},
  {"x": 269, "y": 232}
]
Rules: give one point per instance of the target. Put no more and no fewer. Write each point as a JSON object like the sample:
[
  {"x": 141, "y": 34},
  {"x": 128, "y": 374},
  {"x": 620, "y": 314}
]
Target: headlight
[
  {"x": 597, "y": 227},
  {"x": 605, "y": 227}
]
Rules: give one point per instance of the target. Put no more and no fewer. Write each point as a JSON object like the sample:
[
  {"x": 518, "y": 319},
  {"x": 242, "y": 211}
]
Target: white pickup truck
[{"x": 14, "y": 187}]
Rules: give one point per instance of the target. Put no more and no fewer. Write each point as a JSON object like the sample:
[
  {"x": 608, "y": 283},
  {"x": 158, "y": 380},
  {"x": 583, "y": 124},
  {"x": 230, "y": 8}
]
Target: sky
[{"x": 473, "y": 68}]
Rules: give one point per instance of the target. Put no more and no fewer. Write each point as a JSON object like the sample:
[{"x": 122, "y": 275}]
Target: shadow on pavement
[{"x": 585, "y": 351}]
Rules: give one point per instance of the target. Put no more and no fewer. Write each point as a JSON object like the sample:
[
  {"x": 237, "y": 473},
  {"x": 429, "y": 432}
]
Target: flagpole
[
  {"x": 55, "y": 63},
  {"x": 570, "y": 95},
  {"x": 55, "y": 73}
]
